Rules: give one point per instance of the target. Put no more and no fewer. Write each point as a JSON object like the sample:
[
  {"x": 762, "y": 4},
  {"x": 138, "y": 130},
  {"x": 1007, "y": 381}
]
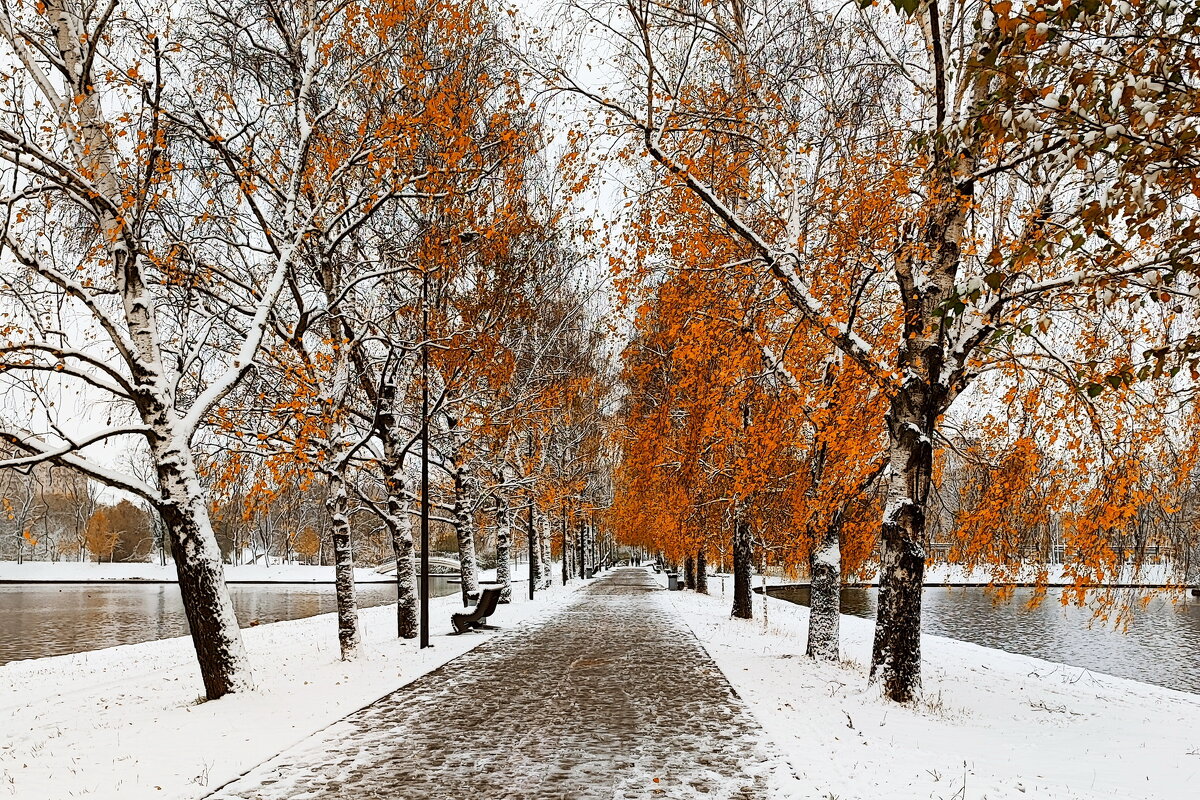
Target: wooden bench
[{"x": 478, "y": 618}]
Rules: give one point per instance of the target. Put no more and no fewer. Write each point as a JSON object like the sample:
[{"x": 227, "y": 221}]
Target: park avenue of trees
[{"x": 832, "y": 287}]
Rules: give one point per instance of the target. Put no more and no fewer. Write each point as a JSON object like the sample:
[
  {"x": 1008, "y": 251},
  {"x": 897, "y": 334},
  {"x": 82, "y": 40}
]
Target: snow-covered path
[{"x": 611, "y": 697}]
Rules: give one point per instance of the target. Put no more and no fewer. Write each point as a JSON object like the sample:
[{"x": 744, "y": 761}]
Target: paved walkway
[{"x": 598, "y": 701}]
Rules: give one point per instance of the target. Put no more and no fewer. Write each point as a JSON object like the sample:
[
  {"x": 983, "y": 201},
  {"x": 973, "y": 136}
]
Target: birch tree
[
  {"x": 91, "y": 267},
  {"x": 1054, "y": 155}
]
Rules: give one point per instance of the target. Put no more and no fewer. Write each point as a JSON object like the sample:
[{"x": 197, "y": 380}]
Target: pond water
[
  {"x": 1160, "y": 645},
  {"x": 47, "y": 619}
]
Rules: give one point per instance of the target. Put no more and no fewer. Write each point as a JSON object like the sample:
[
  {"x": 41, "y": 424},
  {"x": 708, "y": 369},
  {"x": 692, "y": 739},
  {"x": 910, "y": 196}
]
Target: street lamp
[{"x": 424, "y": 458}]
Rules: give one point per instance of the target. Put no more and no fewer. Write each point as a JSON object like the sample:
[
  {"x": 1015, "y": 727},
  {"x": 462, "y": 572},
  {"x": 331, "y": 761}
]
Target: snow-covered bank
[
  {"x": 1151, "y": 575},
  {"x": 127, "y": 722},
  {"x": 88, "y": 572},
  {"x": 992, "y": 724}
]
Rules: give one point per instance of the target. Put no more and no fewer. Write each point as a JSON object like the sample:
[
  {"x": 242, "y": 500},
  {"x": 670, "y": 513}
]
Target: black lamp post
[{"x": 424, "y": 459}]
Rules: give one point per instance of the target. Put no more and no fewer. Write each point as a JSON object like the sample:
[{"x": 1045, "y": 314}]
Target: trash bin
[{"x": 673, "y": 581}]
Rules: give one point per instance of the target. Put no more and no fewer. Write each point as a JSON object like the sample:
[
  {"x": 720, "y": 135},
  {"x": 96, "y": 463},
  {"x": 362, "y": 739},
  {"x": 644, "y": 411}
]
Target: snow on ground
[
  {"x": 87, "y": 572},
  {"x": 992, "y": 725},
  {"x": 128, "y": 721},
  {"x": 90, "y": 572},
  {"x": 942, "y": 574}
]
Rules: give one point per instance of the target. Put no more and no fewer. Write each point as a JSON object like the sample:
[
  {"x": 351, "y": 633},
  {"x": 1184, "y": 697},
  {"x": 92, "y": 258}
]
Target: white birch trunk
[
  {"x": 503, "y": 552},
  {"x": 343, "y": 555},
  {"x": 396, "y": 515},
  {"x": 824, "y": 617},
  {"x": 407, "y": 593},
  {"x": 464, "y": 530},
  {"x": 343, "y": 566},
  {"x": 896, "y": 653},
  {"x": 547, "y": 566},
  {"x": 926, "y": 274},
  {"x": 224, "y": 667},
  {"x": 464, "y": 518}
]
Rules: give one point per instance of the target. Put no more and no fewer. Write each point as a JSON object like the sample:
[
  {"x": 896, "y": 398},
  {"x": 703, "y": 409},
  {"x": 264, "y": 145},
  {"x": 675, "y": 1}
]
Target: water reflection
[
  {"x": 1159, "y": 647},
  {"x": 38, "y": 620}
]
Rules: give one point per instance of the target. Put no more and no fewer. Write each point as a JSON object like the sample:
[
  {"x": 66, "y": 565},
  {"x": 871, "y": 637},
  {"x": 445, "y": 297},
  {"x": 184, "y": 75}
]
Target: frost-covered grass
[
  {"x": 128, "y": 722},
  {"x": 991, "y": 725}
]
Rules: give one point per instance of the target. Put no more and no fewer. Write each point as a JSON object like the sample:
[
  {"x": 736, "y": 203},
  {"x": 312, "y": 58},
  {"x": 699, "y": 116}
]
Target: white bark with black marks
[
  {"x": 343, "y": 569},
  {"x": 824, "y": 606},
  {"x": 544, "y": 534},
  {"x": 97, "y": 181},
  {"x": 582, "y": 548},
  {"x": 503, "y": 551},
  {"x": 533, "y": 549},
  {"x": 926, "y": 275},
  {"x": 396, "y": 514},
  {"x": 464, "y": 532},
  {"x": 896, "y": 653},
  {"x": 224, "y": 667}
]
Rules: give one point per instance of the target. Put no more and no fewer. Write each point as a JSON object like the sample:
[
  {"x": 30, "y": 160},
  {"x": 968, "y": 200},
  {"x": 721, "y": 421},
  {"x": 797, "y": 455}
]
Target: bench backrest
[{"x": 488, "y": 601}]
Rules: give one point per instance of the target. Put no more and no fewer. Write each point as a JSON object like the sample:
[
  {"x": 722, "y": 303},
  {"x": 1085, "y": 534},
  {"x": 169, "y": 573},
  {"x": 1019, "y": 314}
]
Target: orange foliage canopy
[{"x": 736, "y": 404}]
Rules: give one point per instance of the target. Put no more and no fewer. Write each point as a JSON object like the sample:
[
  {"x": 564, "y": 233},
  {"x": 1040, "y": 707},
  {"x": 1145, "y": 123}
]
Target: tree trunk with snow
[
  {"x": 689, "y": 572},
  {"x": 503, "y": 552},
  {"x": 546, "y": 573},
  {"x": 126, "y": 314},
  {"x": 338, "y": 503},
  {"x": 926, "y": 272},
  {"x": 216, "y": 636},
  {"x": 396, "y": 514},
  {"x": 407, "y": 609},
  {"x": 743, "y": 558},
  {"x": 533, "y": 547},
  {"x": 701, "y": 571},
  {"x": 896, "y": 654},
  {"x": 824, "y": 616},
  {"x": 464, "y": 531},
  {"x": 399, "y": 524},
  {"x": 214, "y": 627},
  {"x": 586, "y": 543},
  {"x": 566, "y": 550},
  {"x": 582, "y": 555},
  {"x": 343, "y": 569}
]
